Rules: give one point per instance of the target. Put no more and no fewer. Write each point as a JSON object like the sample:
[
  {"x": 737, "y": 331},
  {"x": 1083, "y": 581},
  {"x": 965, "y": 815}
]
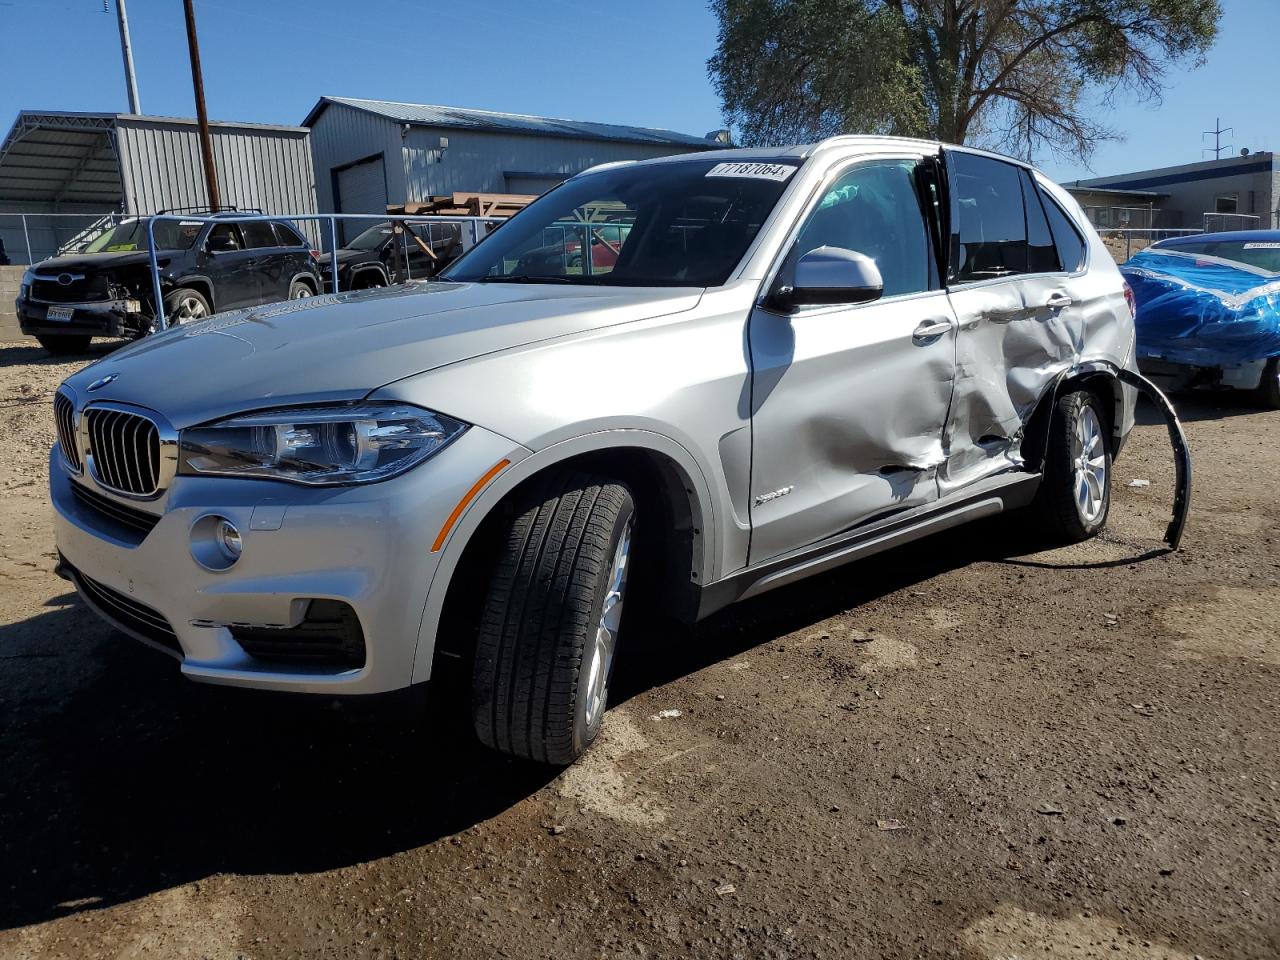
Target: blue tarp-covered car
[{"x": 1209, "y": 311}]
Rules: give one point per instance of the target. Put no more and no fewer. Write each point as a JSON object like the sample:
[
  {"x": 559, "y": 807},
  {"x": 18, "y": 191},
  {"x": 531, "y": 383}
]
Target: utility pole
[
  {"x": 202, "y": 117},
  {"x": 126, "y": 50},
  {"x": 1216, "y": 133}
]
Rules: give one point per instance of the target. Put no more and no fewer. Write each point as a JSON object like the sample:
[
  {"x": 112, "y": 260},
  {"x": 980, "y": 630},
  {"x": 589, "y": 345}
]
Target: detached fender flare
[{"x": 1177, "y": 438}]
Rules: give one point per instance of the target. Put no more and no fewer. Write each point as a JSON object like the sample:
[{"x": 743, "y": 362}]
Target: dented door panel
[{"x": 848, "y": 409}]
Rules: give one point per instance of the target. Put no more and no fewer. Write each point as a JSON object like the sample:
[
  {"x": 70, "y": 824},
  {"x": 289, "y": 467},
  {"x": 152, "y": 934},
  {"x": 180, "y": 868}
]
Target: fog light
[
  {"x": 228, "y": 540},
  {"x": 216, "y": 542}
]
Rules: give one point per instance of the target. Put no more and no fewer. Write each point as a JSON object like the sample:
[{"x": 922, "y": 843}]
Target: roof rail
[{"x": 204, "y": 208}]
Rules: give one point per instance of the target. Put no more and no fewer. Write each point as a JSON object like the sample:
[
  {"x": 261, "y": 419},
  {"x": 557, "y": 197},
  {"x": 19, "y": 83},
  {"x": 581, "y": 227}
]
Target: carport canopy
[{"x": 56, "y": 158}]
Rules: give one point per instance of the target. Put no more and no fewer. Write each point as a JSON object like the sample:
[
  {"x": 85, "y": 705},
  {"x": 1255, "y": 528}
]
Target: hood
[
  {"x": 343, "y": 346},
  {"x": 90, "y": 263}
]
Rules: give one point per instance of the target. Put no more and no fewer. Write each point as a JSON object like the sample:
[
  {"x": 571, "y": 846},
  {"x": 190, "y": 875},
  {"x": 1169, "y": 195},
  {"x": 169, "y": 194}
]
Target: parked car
[
  {"x": 205, "y": 268},
  {"x": 393, "y": 252},
  {"x": 1209, "y": 312},
  {"x": 802, "y": 356}
]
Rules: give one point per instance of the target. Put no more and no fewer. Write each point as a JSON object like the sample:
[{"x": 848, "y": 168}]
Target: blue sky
[{"x": 605, "y": 60}]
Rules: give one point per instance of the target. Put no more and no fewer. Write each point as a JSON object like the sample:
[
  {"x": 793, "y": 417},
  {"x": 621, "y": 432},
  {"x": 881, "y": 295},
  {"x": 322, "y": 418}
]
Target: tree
[{"x": 1016, "y": 74}]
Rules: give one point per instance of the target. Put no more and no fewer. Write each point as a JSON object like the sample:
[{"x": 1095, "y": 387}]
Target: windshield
[
  {"x": 132, "y": 235},
  {"x": 1260, "y": 254},
  {"x": 372, "y": 239},
  {"x": 685, "y": 223}
]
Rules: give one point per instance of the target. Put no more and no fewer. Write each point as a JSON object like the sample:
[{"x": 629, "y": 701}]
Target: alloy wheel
[
  {"x": 1089, "y": 464},
  {"x": 600, "y": 651}
]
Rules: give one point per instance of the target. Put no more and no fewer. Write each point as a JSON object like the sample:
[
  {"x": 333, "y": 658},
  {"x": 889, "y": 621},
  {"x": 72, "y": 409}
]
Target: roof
[
  {"x": 1151, "y": 194},
  {"x": 462, "y": 118},
  {"x": 62, "y": 157},
  {"x": 1253, "y": 163},
  {"x": 1228, "y": 236}
]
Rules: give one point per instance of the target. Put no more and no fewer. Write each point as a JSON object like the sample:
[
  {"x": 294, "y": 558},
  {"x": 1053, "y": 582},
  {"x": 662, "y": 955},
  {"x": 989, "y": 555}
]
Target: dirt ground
[{"x": 964, "y": 748}]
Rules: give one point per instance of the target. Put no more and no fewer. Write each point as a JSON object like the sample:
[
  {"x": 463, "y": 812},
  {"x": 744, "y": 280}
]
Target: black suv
[
  {"x": 392, "y": 252},
  {"x": 106, "y": 290}
]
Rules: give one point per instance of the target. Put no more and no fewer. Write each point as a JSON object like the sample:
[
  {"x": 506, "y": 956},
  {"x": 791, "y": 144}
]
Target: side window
[
  {"x": 990, "y": 233},
  {"x": 1042, "y": 256},
  {"x": 1066, "y": 235},
  {"x": 258, "y": 234},
  {"x": 224, "y": 236},
  {"x": 874, "y": 209},
  {"x": 287, "y": 236}
]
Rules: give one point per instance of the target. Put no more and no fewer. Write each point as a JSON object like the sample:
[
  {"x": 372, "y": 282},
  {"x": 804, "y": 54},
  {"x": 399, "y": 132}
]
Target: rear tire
[
  {"x": 300, "y": 290},
  {"x": 62, "y": 344},
  {"x": 1075, "y": 495},
  {"x": 1268, "y": 391},
  {"x": 551, "y": 618}
]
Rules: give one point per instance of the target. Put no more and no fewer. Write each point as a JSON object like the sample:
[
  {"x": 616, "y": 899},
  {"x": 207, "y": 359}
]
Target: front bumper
[
  {"x": 367, "y": 546},
  {"x": 102, "y": 318}
]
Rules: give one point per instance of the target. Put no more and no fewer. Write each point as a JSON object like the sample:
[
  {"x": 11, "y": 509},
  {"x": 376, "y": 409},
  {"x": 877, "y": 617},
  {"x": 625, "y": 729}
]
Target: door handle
[
  {"x": 931, "y": 329},
  {"x": 1058, "y": 300}
]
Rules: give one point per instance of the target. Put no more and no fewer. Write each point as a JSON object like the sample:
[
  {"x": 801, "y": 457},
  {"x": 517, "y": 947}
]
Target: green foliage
[{"x": 1010, "y": 73}]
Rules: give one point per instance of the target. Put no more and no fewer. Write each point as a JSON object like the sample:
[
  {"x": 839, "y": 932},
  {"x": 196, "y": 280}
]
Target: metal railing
[
  {"x": 44, "y": 235},
  {"x": 1222, "y": 222},
  {"x": 477, "y": 227},
  {"x": 1140, "y": 238}
]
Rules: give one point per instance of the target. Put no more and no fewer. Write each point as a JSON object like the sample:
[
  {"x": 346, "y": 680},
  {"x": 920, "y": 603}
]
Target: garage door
[{"x": 362, "y": 188}]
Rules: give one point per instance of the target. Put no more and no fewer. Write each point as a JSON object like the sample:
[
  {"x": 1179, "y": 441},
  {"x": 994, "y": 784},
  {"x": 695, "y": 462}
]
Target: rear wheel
[
  {"x": 299, "y": 290},
  {"x": 1269, "y": 389},
  {"x": 551, "y": 618},
  {"x": 61, "y": 344},
  {"x": 1075, "y": 495}
]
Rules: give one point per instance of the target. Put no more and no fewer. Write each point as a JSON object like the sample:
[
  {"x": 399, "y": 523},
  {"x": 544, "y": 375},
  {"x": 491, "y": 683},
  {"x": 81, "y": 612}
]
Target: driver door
[{"x": 849, "y": 402}]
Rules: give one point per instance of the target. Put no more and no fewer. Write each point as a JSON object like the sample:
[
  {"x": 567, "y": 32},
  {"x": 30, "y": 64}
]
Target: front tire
[
  {"x": 1075, "y": 494},
  {"x": 63, "y": 344},
  {"x": 551, "y": 618},
  {"x": 185, "y": 305}
]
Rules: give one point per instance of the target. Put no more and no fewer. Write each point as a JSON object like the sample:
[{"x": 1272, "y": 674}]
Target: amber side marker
[{"x": 462, "y": 504}]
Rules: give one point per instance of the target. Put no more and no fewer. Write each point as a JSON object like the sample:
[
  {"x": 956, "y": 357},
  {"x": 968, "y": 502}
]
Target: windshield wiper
[{"x": 525, "y": 278}]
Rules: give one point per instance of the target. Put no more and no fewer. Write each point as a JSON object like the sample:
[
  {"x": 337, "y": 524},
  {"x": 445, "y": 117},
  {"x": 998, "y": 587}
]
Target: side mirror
[{"x": 830, "y": 275}]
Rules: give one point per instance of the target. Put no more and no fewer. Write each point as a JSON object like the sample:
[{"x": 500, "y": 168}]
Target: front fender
[{"x": 516, "y": 473}]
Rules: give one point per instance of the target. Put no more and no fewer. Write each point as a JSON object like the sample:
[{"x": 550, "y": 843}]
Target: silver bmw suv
[{"x": 672, "y": 384}]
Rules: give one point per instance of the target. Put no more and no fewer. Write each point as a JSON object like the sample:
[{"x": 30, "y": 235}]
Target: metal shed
[
  {"x": 69, "y": 169},
  {"x": 369, "y": 153}
]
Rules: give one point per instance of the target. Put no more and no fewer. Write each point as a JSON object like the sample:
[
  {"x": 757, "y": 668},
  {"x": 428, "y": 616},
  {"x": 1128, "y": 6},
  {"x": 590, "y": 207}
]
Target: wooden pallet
[{"x": 465, "y": 205}]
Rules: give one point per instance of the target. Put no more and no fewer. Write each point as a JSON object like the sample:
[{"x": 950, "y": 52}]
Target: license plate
[{"x": 62, "y": 314}]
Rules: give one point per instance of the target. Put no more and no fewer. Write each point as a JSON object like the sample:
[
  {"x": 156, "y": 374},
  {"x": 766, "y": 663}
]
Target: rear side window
[
  {"x": 288, "y": 236},
  {"x": 258, "y": 234},
  {"x": 1042, "y": 255},
  {"x": 1066, "y": 236},
  {"x": 990, "y": 233}
]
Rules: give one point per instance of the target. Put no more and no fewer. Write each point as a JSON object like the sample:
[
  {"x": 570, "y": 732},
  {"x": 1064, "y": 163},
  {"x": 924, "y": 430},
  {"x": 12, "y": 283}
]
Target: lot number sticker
[{"x": 755, "y": 171}]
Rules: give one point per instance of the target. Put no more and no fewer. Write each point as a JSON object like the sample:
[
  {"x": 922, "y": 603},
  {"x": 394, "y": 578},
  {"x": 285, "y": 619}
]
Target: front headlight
[{"x": 318, "y": 445}]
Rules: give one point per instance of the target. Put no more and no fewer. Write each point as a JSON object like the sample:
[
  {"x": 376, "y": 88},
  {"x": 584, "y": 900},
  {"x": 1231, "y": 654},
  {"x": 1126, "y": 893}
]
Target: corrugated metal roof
[
  {"x": 64, "y": 157},
  {"x": 460, "y": 118}
]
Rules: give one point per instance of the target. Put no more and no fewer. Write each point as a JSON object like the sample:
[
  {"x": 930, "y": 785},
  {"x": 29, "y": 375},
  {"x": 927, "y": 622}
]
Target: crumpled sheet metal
[{"x": 1203, "y": 311}]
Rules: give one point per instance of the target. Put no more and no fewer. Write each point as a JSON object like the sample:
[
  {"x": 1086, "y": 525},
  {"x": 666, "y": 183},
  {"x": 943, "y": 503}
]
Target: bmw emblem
[{"x": 103, "y": 381}]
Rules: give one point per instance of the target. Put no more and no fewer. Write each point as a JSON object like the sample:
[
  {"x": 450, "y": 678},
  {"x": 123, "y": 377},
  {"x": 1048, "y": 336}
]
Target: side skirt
[{"x": 986, "y": 498}]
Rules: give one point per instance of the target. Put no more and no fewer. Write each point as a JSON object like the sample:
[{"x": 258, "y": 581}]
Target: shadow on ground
[
  {"x": 122, "y": 778},
  {"x": 28, "y": 353}
]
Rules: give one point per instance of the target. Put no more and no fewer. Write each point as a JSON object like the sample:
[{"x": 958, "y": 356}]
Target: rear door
[
  {"x": 849, "y": 402},
  {"x": 270, "y": 262},
  {"x": 1020, "y": 314}
]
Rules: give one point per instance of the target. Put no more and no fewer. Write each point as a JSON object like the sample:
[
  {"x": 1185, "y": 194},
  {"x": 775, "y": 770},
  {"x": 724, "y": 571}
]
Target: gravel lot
[{"x": 962, "y": 748}]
